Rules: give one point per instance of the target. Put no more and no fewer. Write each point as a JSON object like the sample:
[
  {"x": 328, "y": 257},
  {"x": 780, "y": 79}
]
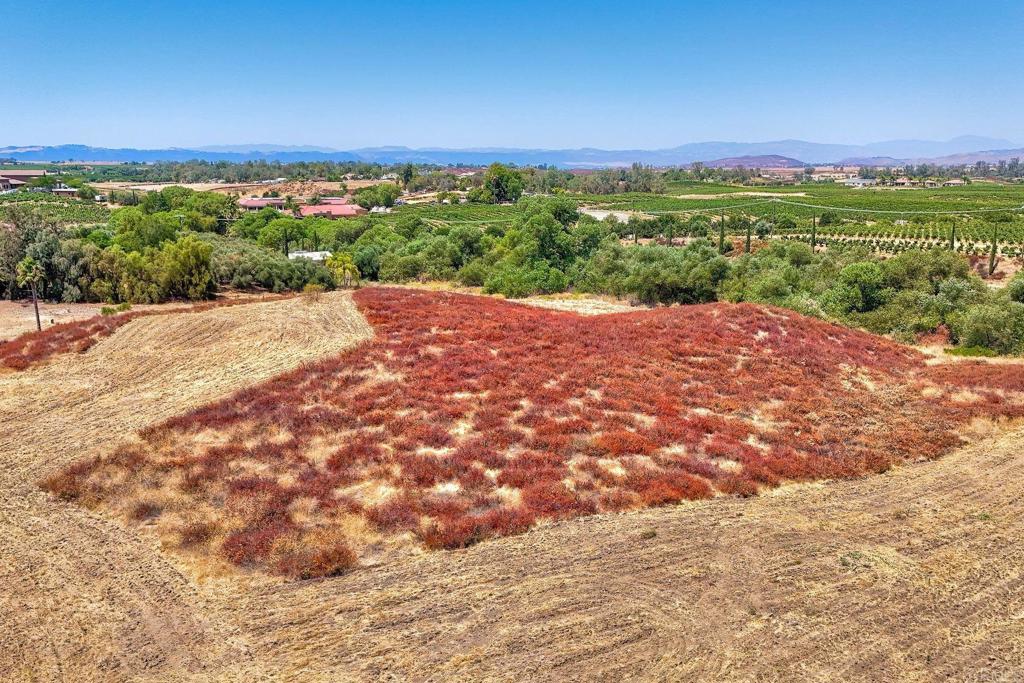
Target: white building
[
  {"x": 860, "y": 182},
  {"x": 315, "y": 256}
]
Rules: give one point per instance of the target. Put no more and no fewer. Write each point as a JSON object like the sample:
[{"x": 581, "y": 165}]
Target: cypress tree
[
  {"x": 721, "y": 234},
  {"x": 992, "y": 254}
]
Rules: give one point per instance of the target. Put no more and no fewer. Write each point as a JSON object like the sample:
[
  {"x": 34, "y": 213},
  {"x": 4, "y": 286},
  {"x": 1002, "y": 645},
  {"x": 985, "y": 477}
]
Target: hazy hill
[
  {"x": 810, "y": 152},
  {"x": 762, "y": 161}
]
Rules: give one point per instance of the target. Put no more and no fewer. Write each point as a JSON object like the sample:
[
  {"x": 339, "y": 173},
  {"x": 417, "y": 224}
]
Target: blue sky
[{"x": 529, "y": 74}]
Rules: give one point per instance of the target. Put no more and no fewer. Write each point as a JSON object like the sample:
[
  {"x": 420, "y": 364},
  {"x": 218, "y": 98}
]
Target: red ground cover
[{"x": 469, "y": 417}]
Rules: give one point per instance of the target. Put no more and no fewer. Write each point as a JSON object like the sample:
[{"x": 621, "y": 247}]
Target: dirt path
[
  {"x": 84, "y": 597},
  {"x": 914, "y": 575}
]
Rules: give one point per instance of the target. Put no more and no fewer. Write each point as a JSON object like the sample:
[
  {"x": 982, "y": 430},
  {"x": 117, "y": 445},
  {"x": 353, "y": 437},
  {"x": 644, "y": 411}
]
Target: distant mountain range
[
  {"x": 964, "y": 149},
  {"x": 762, "y": 161}
]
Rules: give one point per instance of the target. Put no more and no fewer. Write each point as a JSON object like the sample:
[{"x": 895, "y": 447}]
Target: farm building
[
  {"x": 315, "y": 256},
  {"x": 9, "y": 184},
  {"x": 331, "y": 210},
  {"x": 860, "y": 182},
  {"x": 831, "y": 175},
  {"x": 257, "y": 203},
  {"x": 954, "y": 182},
  {"x": 21, "y": 176}
]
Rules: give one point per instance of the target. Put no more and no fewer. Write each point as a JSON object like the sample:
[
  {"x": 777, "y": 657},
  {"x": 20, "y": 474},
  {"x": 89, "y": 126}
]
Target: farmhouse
[
  {"x": 257, "y": 203},
  {"x": 22, "y": 176},
  {"x": 831, "y": 175},
  {"x": 954, "y": 182},
  {"x": 331, "y": 210},
  {"x": 64, "y": 191},
  {"x": 860, "y": 182}
]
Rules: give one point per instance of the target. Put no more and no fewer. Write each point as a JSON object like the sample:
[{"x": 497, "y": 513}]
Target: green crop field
[
  {"x": 681, "y": 199},
  {"x": 59, "y": 210},
  {"x": 885, "y": 220},
  {"x": 458, "y": 214}
]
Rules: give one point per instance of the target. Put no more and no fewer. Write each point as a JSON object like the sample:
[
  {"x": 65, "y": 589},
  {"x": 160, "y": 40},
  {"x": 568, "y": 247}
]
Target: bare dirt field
[
  {"x": 18, "y": 317},
  {"x": 582, "y": 304},
  {"x": 912, "y": 575}
]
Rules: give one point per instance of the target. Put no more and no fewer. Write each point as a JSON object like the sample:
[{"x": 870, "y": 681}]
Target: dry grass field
[
  {"x": 18, "y": 317},
  {"x": 914, "y": 574}
]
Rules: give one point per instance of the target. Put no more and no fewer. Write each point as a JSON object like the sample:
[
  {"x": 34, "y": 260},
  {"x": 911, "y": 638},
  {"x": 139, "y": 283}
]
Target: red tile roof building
[
  {"x": 257, "y": 203},
  {"x": 332, "y": 210}
]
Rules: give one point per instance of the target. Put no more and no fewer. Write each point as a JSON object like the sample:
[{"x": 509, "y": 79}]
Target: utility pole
[{"x": 35, "y": 304}]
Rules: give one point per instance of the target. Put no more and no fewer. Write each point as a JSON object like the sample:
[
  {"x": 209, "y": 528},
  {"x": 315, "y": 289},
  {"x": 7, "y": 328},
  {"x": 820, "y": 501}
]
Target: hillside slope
[
  {"x": 85, "y": 598},
  {"x": 913, "y": 574}
]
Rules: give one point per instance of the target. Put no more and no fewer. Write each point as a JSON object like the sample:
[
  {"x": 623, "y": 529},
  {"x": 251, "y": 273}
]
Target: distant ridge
[
  {"x": 990, "y": 156},
  {"x": 870, "y": 161},
  {"x": 890, "y": 152},
  {"x": 761, "y": 161}
]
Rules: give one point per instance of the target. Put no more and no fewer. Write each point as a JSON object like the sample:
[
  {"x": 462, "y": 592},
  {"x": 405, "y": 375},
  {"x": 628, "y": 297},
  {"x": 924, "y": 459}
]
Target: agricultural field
[
  {"x": 682, "y": 197},
  {"x": 885, "y": 220},
  {"x": 67, "y": 212},
  {"x": 479, "y": 473},
  {"x": 479, "y": 215}
]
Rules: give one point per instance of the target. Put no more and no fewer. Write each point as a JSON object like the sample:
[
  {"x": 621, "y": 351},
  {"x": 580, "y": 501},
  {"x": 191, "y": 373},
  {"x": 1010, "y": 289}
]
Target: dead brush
[{"x": 468, "y": 418}]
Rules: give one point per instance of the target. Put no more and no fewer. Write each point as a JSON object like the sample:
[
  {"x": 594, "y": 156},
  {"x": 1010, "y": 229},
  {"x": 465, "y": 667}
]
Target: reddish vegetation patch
[
  {"x": 468, "y": 418},
  {"x": 79, "y": 336}
]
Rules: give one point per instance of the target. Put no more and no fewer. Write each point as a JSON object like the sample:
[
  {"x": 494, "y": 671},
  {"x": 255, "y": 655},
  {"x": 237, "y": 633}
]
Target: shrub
[
  {"x": 474, "y": 417},
  {"x": 999, "y": 328}
]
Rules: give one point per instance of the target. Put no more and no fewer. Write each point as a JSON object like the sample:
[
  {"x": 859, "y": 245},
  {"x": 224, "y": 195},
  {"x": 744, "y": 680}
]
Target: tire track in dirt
[
  {"x": 915, "y": 575},
  {"x": 84, "y": 597}
]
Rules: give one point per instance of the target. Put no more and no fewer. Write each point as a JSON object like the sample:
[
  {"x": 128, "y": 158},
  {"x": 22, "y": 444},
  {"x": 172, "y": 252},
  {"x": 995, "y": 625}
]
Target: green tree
[
  {"x": 45, "y": 182},
  {"x": 505, "y": 184},
  {"x": 281, "y": 233},
  {"x": 385, "y": 194},
  {"x": 344, "y": 269},
  {"x": 183, "y": 269}
]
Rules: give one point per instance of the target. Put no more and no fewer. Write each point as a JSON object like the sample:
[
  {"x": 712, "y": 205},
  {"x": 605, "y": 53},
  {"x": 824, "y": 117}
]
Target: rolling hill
[{"x": 966, "y": 147}]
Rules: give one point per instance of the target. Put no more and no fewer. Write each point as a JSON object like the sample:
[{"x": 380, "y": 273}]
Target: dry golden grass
[
  {"x": 914, "y": 575},
  {"x": 78, "y": 590}
]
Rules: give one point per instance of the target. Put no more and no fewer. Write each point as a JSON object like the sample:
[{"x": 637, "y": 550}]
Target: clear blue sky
[{"x": 530, "y": 74}]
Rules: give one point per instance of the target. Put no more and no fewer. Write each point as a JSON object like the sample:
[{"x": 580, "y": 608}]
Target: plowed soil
[{"x": 913, "y": 575}]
